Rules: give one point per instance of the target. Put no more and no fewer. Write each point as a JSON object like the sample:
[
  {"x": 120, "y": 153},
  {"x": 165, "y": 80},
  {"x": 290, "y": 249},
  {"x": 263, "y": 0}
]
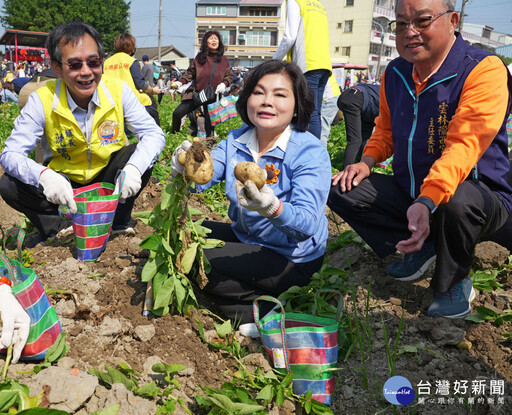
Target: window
[
  {"x": 339, "y": 25},
  {"x": 348, "y": 26},
  {"x": 262, "y": 12},
  {"x": 216, "y": 11},
  {"x": 345, "y": 51},
  {"x": 349, "y": 3},
  {"x": 224, "y": 34},
  {"x": 337, "y": 49},
  {"x": 258, "y": 39},
  {"x": 486, "y": 33}
]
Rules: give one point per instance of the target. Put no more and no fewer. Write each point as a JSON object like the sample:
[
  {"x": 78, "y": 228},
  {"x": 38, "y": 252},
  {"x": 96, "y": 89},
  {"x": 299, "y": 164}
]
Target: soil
[{"x": 111, "y": 289}]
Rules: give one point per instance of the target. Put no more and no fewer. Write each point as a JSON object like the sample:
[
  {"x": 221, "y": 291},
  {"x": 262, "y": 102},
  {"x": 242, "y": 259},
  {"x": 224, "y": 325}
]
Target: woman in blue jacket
[{"x": 278, "y": 234}]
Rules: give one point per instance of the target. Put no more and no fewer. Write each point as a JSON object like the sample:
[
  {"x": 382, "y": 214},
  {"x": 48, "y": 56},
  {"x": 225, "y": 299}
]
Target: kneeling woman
[{"x": 278, "y": 234}]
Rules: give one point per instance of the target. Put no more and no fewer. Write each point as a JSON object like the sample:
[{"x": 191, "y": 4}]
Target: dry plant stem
[{"x": 8, "y": 358}]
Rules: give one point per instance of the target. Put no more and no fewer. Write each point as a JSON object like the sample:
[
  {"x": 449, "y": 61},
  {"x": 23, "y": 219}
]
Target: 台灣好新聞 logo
[{"x": 398, "y": 391}]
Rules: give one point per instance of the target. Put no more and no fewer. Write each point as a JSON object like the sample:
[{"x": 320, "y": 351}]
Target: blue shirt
[{"x": 29, "y": 131}]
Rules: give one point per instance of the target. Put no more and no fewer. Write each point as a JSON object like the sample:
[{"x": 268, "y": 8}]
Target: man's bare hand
[
  {"x": 418, "y": 216},
  {"x": 351, "y": 176}
]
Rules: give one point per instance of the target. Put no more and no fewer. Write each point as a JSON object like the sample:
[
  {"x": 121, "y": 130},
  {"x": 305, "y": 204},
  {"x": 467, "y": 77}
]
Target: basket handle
[
  {"x": 256, "y": 312},
  {"x": 339, "y": 308},
  {"x": 16, "y": 230},
  {"x": 119, "y": 181}
]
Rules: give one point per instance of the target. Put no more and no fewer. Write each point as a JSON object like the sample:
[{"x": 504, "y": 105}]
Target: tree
[{"x": 109, "y": 17}]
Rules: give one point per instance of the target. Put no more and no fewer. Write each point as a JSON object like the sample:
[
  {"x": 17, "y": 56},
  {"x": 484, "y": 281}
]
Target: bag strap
[
  {"x": 256, "y": 312},
  {"x": 119, "y": 181},
  {"x": 339, "y": 308},
  {"x": 16, "y": 230},
  {"x": 213, "y": 73},
  {"x": 12, "y": 272}
]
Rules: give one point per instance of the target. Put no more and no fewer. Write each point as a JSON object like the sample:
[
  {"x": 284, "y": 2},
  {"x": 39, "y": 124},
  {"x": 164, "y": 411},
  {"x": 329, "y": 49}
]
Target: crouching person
[{"x": 79, "y": 120}]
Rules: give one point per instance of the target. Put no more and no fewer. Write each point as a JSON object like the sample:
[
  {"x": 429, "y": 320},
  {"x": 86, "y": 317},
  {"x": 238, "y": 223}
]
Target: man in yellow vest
[
  {"x": 306, "y": 43},
  {"x": 79, "y": 120}
]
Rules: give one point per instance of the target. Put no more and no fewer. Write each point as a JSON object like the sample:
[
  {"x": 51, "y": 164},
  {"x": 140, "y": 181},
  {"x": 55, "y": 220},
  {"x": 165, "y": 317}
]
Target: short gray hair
[{"x": 449, "y": 4}]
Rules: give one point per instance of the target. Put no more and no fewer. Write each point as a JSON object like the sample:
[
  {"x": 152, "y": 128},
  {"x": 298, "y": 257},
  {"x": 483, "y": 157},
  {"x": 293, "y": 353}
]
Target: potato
[
  {"x": 247, "y": 170},
  {"x": 198, "y": 165},
  {"x": 182, "y": 157}
]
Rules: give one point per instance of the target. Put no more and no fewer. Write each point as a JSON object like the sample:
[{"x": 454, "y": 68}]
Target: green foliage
[
  {"x": 215, "y": 199},
  {"x": 336, "y": 145},
  {"x": 176, "y": 250},
  {"x": 108, "y": 17},
  {"x": 14, "y": 397},
  {"x": 485, "y": 280},
  {"x": 348, "y": 237},
  {"x": 56, "y": 352},
  {"x": 8, "y": 113},
  {"x": 163, "y": 390},
  {"x": 229, "y": 344},
  {"x": 484, "y": 314}
]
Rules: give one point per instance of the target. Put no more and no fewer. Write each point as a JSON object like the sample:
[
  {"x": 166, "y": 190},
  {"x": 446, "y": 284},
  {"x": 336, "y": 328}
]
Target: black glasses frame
[
  {"x": 76, "y": 65},
  {"x": 393, "y": 25}
]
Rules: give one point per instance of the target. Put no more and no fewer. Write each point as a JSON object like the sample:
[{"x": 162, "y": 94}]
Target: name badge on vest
[{"x": 108, "y": 132}]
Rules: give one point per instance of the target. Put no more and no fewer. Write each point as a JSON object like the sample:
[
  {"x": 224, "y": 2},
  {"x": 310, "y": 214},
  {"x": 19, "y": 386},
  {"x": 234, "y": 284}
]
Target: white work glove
[
  {"x": 15, "y": 322},
  {"x": 132, "y": 183},
  {"x": 181, "y": 90},
  {"x": 263, "y": 201},
  {"x": 176, "y": 167},
  {"x": 220, "y": 88},
  {"x": 57, "y": 189}
]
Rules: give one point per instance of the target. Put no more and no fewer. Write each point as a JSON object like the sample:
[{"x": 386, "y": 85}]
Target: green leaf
[
  {"x": 148, "y": 390},
  {"x": 188, "y": 258},
  {"x": 246, "y": 409},
  {"x": 164, "y": 294},
  {"x": 213, "y": 243},
  {"x": 43, "y": 411},
  {"x": 57, "y": 350},
  {"x": 152, "y": 242},
  {"x": 181, "y": 294},
  {"x": 280, "y": 397},
  {"x": 194, "y": 211},
  {"x": 224, "y": 329},
  {"x": 168, "y": 369},
  {"x": 266, "y": 394}
]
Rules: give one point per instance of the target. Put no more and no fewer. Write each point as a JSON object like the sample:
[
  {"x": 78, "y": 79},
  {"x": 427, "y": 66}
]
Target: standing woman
[
  {"x": 199, "y": 72},
  {"x": 278, "y": 233},
  {"x": 123, "y": 65},
  {"x": 160, "y": 83}
]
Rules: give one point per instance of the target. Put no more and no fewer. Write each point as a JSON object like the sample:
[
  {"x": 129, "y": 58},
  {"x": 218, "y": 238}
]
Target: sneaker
[
  {"x": 413, "y": 265},
  {"x": 126, "y": 230},
  {"x": 455, "y": 302}
]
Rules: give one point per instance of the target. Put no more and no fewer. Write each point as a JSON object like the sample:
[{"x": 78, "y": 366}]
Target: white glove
[
  {"x": 57, "y": 189},
  {"x": 132, "y": 183},
  {"x": 181, "y": 90},
  {"x": 220, "y": 88},
  {"x": 176, "y": 167},
  {"x": 263, "y": 201},
  {"x": 15, "y": 322}
]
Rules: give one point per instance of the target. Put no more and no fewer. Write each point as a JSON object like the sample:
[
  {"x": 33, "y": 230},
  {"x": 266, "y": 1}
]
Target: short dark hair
[
  {"x": 304, "y": 101},
  {"x": 125, "y": 43},
  {"x": 71, "y": 33}
]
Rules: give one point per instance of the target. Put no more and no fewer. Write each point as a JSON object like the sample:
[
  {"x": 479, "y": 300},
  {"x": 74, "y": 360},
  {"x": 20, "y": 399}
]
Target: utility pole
[
  {"x": 160, "y": 34},
  {"x": 130, "y": 17},
  {"x": 461, "y": 21},
  {"x": 381, "y": 47}
]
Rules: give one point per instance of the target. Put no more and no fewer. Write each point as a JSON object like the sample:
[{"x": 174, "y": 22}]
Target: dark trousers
[
  {"x": 358, "y": 130},
  {"x": 241, "y": 273},
  {"x": 317, "y": 80},
  {"x": 503, "y": 235},
  {"x": 377, "y": 210},
  {"x": 30, "y": 200},
  {"x": 186, "y": 106}
]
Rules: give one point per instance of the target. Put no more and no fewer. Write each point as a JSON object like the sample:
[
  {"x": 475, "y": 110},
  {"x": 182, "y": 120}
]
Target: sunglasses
[
  {"x": 76, "y": 65},
  {"x": 420, "y": 24}
]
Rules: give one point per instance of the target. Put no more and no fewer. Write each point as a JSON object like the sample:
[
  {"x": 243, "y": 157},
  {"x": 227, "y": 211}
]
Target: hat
[{"x": 145, "y": 58}]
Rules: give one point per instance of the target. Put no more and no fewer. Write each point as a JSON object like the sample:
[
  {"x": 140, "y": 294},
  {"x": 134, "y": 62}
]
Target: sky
[{"x": 178, "y": 20}]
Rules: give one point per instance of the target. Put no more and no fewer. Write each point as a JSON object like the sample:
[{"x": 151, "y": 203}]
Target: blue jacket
[
  {"x": 300, "y": 232},
  {"x": 420, "y": 123}
]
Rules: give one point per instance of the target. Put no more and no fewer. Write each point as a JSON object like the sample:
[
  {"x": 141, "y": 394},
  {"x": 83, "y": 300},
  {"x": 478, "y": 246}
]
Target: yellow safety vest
[
  {"x": 79, "y": 157},
  {"x": 311, "y": 49},
  {"x": 118, "y": 66}
]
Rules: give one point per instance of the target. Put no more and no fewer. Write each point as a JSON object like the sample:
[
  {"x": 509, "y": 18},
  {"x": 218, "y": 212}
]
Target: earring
[{"x": 295, "y": 114}]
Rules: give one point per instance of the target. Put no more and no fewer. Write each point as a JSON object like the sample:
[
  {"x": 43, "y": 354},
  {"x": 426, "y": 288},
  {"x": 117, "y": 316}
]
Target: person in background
[
  {"x": 360, "y": 106},
  {"x": 122, "y": 65},
  {"x": 210, "y": 57},
  {"x": 329, "y": 108},
  {"x": 174, "y": 75},
  {"x": 443, "y": 112},
  {"x": 149, "y": 77},
  {"x": 278, "y": 234},
  {"x": 306, "y": 42},
  {"x": 7, "y": 93},
  {"x": 80, "y": 121},
  {"x": 160, "y": 83}
]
